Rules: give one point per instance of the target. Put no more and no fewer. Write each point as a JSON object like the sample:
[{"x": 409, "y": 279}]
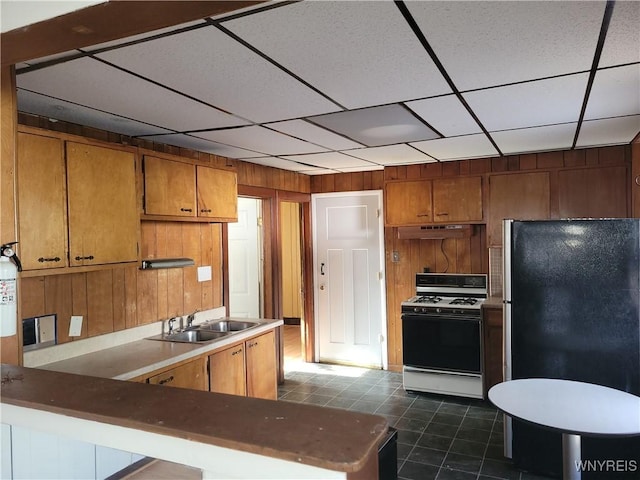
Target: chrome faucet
[
  {"x": 171, "y": 322},
  {"x": 190, "y": 318}
]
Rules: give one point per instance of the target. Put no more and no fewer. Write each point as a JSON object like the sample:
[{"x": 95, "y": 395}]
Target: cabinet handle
[
  {"x": 166, "y": 380},
  {"x": 186, "y": 209},
  {"x": 441, "y": 214},
  {"x": 251, "y": 345},
  {"x": 207, "y": 210},
  {"x": 422, "y": 215},
  {"x": 54, "y": 259},
  {"x": 237, "y": 352},
  {"x": 90, "y": 257}
]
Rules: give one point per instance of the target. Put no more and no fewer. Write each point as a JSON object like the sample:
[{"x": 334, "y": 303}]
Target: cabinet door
[
  {"x": 521, "y": 196},
  {"x": 169, "y": 187},
  {"x": 227, "y": 372},
  {"x": 493, "y": 362},
  {"x": 593, "y": 192},
  {"x": 408, "y": 203},
  {"x": 190, "y": 375},
  {"x": 457, "y": 199},
  {"x": 262, "y": 379},
  {"x": 217, "y": 193},
  {"x": 42, "y": 202},
  {"x": 103, "y": 214}
]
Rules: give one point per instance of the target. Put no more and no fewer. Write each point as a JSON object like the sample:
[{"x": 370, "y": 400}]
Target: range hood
[
  {"x": 435, "y": 232},
  {"x": 156, "y": 263}
]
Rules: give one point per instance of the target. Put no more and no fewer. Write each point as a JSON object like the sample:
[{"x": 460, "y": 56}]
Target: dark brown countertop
[{"x": 324, "y": 437}]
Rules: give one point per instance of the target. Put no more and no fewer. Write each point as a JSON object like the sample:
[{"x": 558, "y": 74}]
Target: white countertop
[
  {"x": 140, "y": 357},
  {"x": 568, "y": 406}
]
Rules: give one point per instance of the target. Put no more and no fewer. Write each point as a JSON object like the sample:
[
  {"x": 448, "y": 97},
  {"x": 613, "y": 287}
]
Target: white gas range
[{"x": 442, "y": 334}]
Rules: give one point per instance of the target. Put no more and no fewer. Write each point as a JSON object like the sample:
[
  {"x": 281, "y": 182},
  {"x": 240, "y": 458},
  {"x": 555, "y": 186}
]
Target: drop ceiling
[{"x": 338, "y": 86}]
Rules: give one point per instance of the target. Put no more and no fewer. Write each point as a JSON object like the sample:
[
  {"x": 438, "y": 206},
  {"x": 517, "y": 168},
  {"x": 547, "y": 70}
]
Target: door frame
[{"x": 384, "y": 345}]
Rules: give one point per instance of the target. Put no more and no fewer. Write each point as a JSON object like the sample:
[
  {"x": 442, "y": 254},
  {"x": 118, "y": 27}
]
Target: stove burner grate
[
  {"x": 429, "y": 299},
  {"x": 464, "y": 301}
]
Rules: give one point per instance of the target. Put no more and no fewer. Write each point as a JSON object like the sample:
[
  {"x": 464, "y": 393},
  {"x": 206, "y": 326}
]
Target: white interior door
[
  {"x": 349, "y": 270},
  {"x": 245, "y": 261}
]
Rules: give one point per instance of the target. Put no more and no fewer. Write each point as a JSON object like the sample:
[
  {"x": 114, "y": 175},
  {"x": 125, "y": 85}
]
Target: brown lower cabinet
[
  {"x": 492, "y": 328},
  {"x": 188, "y": 375},
  {"x": 246, "y": 368}
]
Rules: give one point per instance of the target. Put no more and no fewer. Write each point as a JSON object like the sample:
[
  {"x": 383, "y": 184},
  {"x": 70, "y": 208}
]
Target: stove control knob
[
  {"x": 425, "y": 309},
  {"x": 416, "y": 309},
  {"x": 439, "y": 310}
]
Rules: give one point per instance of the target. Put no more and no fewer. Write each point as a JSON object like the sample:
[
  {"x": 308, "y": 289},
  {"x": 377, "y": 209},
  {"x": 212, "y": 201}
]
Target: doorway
[
  {"x": 246, "y": 261},
  {"x": 348, "y": 274}
]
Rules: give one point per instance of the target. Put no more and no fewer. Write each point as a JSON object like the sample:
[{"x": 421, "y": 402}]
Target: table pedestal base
[{"x": 571, "y": 457}]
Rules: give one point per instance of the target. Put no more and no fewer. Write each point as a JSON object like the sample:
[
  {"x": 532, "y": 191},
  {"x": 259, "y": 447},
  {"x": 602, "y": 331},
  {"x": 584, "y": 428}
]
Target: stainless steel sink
[
  {"x": 207, "y": 332},
  {"x": 190, "y": 336},
  {"x": 227, "y": 326}
]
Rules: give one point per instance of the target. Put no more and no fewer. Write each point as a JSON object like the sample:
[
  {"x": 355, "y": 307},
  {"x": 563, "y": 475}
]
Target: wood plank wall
[
  {"x": 467, "y": 255},
  {"x": 111, "y": 300}
]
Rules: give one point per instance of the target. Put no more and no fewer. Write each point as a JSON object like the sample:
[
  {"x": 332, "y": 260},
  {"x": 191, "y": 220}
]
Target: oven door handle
[
  {"x": 438, "y": 316},
  {"x": 407, "y": 368}
]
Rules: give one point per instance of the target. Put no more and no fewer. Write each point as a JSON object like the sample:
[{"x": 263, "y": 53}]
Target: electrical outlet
[{"x": 75, "y": 326}]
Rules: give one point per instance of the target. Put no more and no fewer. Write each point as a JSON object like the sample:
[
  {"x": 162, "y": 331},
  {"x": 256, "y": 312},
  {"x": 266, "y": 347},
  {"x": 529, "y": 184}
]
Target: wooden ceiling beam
[{"x": 105, "y": 22}]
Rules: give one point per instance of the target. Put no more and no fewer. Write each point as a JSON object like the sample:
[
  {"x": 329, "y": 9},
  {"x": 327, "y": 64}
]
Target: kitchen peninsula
[{"x": 223, "y": 435}]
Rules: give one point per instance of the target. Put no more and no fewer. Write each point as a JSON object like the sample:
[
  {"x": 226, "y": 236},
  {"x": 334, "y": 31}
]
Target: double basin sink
[{"x": 208, "y": 332}]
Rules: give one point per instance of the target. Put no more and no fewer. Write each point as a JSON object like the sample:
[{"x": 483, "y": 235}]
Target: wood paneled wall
[
  {"x": 467, "y": 255},
  {"x": 112, "y": 300}
]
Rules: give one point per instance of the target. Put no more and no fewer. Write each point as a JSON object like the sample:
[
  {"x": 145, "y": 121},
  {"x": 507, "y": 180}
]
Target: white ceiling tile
[
  {"x": 202, "y": 145},
  {"x": 278, "y": 163},
  {"x": 209, "y": 65},
  {"x": 37, "y": 104},
  {"x": 91, "y": 83},
  {"x": 446, "y": 114},
  {"x": 142, "y": 36},
  {"x": 391, "y": 155},
  {"x": 539, "y": 139},
  {"x": 615, "y": 92},
  {"x": 313, "y": 133},
  {"x": 369, "y": 168},
  {"x": 456, "y": 148},
  {"x": 329, "y": 160},
  {"x": 490, "y": 43},
  {"x": 261, "y": 139},
  {"x": 358, "y": 53},
  {"x": 377, "y": 126},
  {"x": 318, "y": 171},
  {"x": 531, "y": 104},
  {"x": 622, "y": 44},
  {"x": 610, "y": 131}
]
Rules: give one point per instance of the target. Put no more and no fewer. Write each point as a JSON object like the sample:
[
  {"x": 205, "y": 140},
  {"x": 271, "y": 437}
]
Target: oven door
[{"x": 441, "y": 342}]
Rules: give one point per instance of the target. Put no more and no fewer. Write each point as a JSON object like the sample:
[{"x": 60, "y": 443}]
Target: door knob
[{"x": 321, "y": 287}]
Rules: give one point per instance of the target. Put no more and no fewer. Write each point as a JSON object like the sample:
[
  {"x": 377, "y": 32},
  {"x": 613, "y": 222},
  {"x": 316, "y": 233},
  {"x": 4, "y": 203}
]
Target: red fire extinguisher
[{"x": 9, "y": 267}]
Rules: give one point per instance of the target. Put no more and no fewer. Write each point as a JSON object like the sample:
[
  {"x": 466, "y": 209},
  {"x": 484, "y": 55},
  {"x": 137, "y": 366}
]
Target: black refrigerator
[{"x": 572, "y": 311}]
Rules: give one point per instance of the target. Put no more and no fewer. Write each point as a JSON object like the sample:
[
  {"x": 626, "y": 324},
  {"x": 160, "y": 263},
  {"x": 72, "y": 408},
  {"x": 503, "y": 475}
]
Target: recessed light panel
[{"x": 377, "y": 126}]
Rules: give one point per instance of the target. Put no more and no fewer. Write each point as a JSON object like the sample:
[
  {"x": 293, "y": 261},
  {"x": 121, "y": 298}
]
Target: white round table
[{"x": 573, "y": 408}]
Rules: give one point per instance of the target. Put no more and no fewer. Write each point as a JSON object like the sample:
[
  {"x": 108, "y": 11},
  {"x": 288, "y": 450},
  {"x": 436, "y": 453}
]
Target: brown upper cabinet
[
  {"x": 79, "y": 213},
  {"x": 104, "y": 222},
  {"x": 178, "y": 189},
  {"x": 441, "y": 200},
  {"x": 593, "y": 192},
  {"x": 42, "y": 202},
  {"x": 521, "y": 196}
]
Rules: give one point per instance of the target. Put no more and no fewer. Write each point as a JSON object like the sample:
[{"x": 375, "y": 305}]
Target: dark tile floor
[{"x": 439, "y": 437}]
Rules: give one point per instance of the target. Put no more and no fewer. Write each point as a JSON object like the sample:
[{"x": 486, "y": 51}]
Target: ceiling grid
[{"x": 342, "y": 86}]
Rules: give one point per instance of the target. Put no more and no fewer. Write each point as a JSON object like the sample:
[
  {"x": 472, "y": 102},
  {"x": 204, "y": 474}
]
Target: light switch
[
  {"x": 204, "y": 273},
  {"x": 75, "y": 327}
]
